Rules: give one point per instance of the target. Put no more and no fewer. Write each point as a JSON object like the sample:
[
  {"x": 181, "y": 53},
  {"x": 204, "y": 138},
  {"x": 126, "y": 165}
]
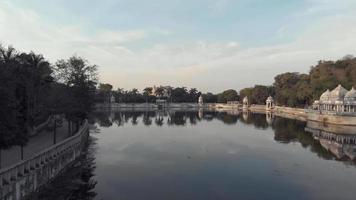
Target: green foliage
[
  {"x": 228, "y": 95},
  {"x": 257, "y": 94},
  {"x": 80, "y": 79},
  {"x": 299, "y": 90},
  {"x": 31, "y": 90}
]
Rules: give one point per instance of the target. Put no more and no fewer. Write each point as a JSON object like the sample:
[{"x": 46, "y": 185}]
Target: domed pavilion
[{"x": 338, "y": 100}]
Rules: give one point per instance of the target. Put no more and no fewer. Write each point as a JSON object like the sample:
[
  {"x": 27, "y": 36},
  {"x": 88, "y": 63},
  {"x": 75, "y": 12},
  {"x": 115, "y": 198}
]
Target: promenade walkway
[{"x": 35, "y": 144}]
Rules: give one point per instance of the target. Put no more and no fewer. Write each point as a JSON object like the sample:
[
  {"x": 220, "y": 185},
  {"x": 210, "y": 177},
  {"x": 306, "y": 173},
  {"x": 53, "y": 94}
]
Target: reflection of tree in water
[
  {"x": 177, "y": 118},
  {"x": 159, "y": 121},
  {"x": 146, "y": 119},
  {"x": 193, "y": 117},
  {"x": 259, "y": 120},
  {"x": 288, "y": 130},
  {"x": 118, "y": 119},
  {"x": 76, "y": 183},
  {"x": 102, "y": 118},
  {"x": 285, "y": 130},
  {"x": 227, "y": 118}
]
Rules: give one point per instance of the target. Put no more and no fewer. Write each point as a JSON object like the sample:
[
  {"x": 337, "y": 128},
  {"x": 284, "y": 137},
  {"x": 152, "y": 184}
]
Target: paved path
[{"x": 35, "y": 144}]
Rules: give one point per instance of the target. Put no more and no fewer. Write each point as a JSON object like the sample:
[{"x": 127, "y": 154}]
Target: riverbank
[{"x": 281, "y": 111}]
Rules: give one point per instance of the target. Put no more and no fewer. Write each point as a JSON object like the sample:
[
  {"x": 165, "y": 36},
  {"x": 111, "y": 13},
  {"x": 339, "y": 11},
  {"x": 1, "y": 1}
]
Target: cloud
[{"x": 207, "y": 65}]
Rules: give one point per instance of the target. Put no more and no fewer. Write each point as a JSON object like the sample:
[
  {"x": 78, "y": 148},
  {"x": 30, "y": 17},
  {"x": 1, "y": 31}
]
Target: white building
[
  {"x": 269, "y": 103},
  {"x": 245, "y": 103},
  {"x": 200, "y": 100},
  {"x": 338, "y": 100}
]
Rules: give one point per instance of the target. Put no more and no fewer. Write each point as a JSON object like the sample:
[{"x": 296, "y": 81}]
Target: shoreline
[{"x": 286, "y": 112}]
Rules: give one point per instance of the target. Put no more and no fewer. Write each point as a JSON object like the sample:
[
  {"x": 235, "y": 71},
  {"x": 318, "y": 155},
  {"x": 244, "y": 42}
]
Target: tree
[
  {"x": 210, "y": 98},
  {"x": 104, "y": 92},
  {"x": 80, "y": 78},
  {"x": 228, "y": 95}
]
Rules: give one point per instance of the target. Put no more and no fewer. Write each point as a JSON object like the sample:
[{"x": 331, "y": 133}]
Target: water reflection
[
  {"x": 339, "y": 140},
  {"x": 285, "y": 130},
  {"x": 205, "y": 154}
]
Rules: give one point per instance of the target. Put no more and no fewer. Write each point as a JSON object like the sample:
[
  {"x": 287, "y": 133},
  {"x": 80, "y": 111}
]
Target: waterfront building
[
  {"x": 112, "y": 99},
  {"x": 338, "y": 100},
  {"x": 245, "y": 103},
  {"x": 269, "y": 103},
  {"x": 200, "y": 100}
]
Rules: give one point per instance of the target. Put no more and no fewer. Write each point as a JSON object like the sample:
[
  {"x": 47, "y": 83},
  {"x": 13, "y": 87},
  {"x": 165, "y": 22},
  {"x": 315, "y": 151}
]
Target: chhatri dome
[
  {"x": 325, "y": 96},
  {"x": 200, "y": 100},
  {"x": 338, "y": 100},
  {"x": 351, "y": 95},
  {"x": 269, "y": 99},
  {"x": 338, "y": 94},
  {"x": 245, "y": 100}
]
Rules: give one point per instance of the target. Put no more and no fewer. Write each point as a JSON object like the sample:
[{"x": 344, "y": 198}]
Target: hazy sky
[{"x": 208, "y": 44}]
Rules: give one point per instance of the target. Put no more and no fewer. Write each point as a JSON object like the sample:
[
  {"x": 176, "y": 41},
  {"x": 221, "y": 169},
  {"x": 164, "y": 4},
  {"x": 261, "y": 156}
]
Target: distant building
[
  {"x": 112, "y": 98},
  {"x": 269, "y": 103},
  {"x": 200, "y": 100},
  {"x": 338, "y": 100},
  {"x": 245, "y": 103}
]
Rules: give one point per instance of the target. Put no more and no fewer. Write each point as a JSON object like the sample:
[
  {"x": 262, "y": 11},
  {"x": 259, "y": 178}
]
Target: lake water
[{"x": 185, "y": 155}]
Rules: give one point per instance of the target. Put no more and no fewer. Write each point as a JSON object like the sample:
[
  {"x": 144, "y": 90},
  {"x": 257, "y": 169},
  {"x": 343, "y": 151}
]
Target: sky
[{"x": 211, "y": 45}]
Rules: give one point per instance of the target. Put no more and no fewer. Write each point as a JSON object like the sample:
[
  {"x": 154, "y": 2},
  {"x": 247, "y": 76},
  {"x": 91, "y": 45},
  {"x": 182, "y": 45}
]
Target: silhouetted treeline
[
  {"x": 32, "y": 89},
  {"x": 171, "y": 94}
]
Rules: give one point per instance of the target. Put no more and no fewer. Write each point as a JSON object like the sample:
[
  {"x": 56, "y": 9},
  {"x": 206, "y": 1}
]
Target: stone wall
[
  {"x": 27, "y": 176},
  {"x": 332, "y": 119},
  {"x": 290, "y": 113}
]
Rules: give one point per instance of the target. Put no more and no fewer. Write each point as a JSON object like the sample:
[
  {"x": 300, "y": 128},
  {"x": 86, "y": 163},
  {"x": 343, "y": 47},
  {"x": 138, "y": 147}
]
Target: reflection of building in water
[
  {"x": 269, "y": 118},
  {"x": 342, "y": 145},
  {"x": 339, "y": 100},
  {"x": 201, "y": 113},
  {"x": 245, "y": 115}
]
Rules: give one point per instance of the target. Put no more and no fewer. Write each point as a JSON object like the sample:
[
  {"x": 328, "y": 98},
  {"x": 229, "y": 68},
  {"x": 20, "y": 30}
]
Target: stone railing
[{"x": 32, "y": 173}]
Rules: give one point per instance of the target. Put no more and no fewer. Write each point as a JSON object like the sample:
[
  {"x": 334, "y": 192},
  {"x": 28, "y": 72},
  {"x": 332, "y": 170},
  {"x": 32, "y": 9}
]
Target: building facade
[{"x": 338, "y": 100}]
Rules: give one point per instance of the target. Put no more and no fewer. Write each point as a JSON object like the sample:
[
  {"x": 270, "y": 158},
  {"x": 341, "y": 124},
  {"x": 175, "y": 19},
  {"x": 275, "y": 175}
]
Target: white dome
[
  {"x": 200, "y": 100},
  {"x": 325, "y": 96},
  {"x": 245, "y": 100},
  {"x": 269, "y": 99},
  {"x": 351, "y": 95},
  {"x": 338, "y": 93}
]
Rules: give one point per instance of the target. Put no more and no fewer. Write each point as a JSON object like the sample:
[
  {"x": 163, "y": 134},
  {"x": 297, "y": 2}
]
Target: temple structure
[
  {"x": 338, "y": 100},
  {"x": 245, "y": 103},
  {"x": 200, "y": 101},
  {"x": 269, "y": 103}
]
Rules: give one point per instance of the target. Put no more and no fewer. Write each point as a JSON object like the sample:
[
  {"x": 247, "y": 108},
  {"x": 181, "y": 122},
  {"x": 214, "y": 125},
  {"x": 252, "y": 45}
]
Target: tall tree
[{"x": 81, "y": 79}]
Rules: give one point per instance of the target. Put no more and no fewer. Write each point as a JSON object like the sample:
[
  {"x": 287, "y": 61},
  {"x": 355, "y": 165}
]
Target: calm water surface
[{"x": 213, "y": 155}]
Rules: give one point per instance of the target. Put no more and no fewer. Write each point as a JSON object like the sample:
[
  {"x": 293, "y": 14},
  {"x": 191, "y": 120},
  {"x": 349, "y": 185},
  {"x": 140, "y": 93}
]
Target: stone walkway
[{"x": 35, "y": 144}]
